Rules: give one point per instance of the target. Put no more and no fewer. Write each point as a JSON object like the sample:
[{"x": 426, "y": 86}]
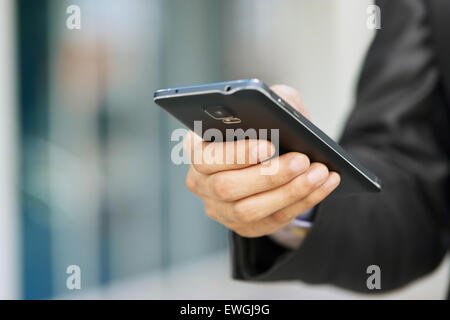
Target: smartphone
[{"x": 250, "y": 105}]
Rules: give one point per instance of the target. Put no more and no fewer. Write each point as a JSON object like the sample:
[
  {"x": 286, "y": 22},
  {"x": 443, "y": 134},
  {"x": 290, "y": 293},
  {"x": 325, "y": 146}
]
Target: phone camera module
[{"x": 220, "y": 113}]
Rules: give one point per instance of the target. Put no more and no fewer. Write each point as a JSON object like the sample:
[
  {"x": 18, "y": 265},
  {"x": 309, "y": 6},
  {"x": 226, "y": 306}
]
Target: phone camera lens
[{"x": 232, "y": 120}]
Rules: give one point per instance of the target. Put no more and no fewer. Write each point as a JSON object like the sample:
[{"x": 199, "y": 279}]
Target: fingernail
[
  {"x": 298, "y": 164},
  {"x": 317, "y": 175}
]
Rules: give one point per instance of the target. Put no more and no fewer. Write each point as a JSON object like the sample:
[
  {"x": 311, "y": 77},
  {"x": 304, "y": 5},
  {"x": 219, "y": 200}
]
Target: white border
[{"x": 9, "y": 213}]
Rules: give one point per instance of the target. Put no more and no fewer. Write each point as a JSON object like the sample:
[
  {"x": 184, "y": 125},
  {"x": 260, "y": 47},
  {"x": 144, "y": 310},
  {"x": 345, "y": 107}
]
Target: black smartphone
[{"x": 250, "y": 105}]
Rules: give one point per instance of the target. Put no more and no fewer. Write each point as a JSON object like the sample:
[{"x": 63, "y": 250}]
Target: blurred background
[{"x": 86, "y": 177}]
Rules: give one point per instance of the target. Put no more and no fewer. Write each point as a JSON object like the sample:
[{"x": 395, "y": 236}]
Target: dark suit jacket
[{"x": 400, "y": 130}]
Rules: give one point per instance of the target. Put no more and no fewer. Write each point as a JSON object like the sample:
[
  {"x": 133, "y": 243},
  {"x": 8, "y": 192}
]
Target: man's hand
[{"x": 237, "y": 195}]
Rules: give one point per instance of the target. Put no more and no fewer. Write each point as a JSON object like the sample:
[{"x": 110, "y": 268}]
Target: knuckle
[
  {"x": 222, "y": 187},
  {"x": 281, "y": 217},
  {"x": 275, "y": 178},
  {"x": 297, "y": 189},
  {"x": 191, "y": 182},
  {"x": 211, "y": 213},
  {"x": 247, "y": 232},
  {"x": 242, "y": 213},
  {"x": 241, "y": 232},
  {"x": 200, "y": 167}
]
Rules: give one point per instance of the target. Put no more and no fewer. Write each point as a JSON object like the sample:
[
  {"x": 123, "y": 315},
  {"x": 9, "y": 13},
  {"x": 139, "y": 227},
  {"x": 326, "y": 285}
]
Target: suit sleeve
[{"x": 399, "y": 129}]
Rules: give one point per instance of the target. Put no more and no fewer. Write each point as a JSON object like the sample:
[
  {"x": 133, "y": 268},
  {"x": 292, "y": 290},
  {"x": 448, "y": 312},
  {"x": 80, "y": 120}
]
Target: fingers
[
  {"x": 291, "y": 96},
  {"x": 238, "y": 184},
  {"x": 212, "y": 157},
  {"x": 282, "y": 218},
  {"x": 264, "y": 204},
  {"x": 314, "y": 198}
]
